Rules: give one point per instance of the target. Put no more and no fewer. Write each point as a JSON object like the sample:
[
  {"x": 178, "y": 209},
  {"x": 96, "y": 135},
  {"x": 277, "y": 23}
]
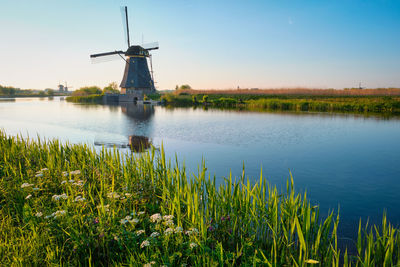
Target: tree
[
  {"x": 185, "y": 87},
  {"x": 87, "y": 90},
  {"x": 112, "y": 88},
  {"x": 50, "y": 92}
]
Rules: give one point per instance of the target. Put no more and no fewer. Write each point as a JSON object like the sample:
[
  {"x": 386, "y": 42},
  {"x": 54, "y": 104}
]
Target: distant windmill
[{"x": 137, "y": 80}]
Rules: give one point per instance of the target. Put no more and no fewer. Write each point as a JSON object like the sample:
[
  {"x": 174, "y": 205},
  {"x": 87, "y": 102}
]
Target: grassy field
[
  {"x": 377, "y": 101},
  {"x": 296, "y": 92},
  {"x": 63, "y": 204}
]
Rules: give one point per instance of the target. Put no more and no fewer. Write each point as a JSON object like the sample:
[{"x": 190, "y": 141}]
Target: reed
[
  {"x": 71, "y": 205},
  {"x": 93, "y": 99},
  {"x": 298, "y": 92}
]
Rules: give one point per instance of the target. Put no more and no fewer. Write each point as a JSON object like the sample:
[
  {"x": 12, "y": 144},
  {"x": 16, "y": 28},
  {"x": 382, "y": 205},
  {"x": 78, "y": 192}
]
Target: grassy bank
[
  {"x": 67, "y": 204},
  {"x": 94, "y": 99},
  {"x": 355, "y": 104}
]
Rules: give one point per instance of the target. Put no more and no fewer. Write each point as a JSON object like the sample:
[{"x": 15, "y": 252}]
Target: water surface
[{"x": 351, "y": 161}]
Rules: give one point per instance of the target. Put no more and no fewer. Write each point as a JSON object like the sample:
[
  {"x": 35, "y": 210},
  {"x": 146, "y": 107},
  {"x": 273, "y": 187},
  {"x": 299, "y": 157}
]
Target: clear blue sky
[{"x": 207, "y": 44}]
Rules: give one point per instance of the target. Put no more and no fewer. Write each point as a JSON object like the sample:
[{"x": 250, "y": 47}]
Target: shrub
[{"x": 88, "y": 90}]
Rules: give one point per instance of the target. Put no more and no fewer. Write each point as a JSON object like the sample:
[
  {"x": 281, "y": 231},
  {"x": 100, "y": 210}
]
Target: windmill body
[{"x": 138, "y": 79}]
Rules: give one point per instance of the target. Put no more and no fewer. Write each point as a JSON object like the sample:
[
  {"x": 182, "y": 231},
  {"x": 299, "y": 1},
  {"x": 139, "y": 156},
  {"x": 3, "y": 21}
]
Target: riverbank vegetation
[
  {"x": 70, "y": 205},
  {"x": 9, "y": 91},
  {"x": 92, "y": 94},
  {"x": 388, "y": 101}
]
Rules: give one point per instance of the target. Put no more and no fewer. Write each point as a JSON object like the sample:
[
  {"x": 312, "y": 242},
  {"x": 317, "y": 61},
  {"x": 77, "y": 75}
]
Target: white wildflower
[
  {"x": 49, "y": 216},
  {"x": 28, "y": 196},
  {"x": 154, "y": 234},
  {"x": 39, "y": 214},
  {"x": 192, "y": 231},
  {"x": 178, "y": 230},
  {"x": 63, "y": 182},
  {"x": 147, "y": 265},
  {"x": 169, "y": 223},
  {"x": 141, "y": 213},
  {"x": 58, "y": 197},
  {"x": 168, "y": 217},
  {"x": 79, "y": 199},
  {"x": 128, "y": 194},
  {"x": 79, "y": 183},
  {"x": 139, "y": 232},
  {"x": 75, "y": 172},
  {"x": 71, "y": 181},
  {"x": 36, "y": 189},
  {"x": 59, "y": 213},
  {"x": 64, "y": 174},
  {"x": 113, "y": 195},
  {"x": 39, "y": 174},
  {"x": 155, "y": 217},
  {"x": 44, "y": 169},
  {"x": 168, "y": 231},
  {"x": 192, "y": 245},
  {"x": 145, "y": 243},
  {"x": 134, "y": 220},
  {"x": 26, "y": 185},
  {"x": 128, "y": 217},
  {"x": 106, "y": 207}
]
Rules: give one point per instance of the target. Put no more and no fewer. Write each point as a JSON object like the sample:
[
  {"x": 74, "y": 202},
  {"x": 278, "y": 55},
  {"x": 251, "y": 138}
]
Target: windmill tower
[{"x": 138, "y": 79}]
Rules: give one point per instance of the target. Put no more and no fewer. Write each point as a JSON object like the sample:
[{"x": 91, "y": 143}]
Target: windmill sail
[
  {"x": 125, "y": 25},
  {"x": 107, "y": 54},
  {"x": 105, "y": 57},
  {"x": 151, "y": 46}
]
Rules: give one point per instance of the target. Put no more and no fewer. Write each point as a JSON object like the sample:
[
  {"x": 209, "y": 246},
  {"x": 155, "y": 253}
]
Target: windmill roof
[{"x": 136, "y": 50}]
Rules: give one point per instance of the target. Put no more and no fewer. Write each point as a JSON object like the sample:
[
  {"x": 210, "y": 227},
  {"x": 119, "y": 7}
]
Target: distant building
[{"x": 63, "y": 88}]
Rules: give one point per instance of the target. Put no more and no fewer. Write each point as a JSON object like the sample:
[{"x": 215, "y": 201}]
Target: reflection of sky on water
[{"x": 351, "y": 160}]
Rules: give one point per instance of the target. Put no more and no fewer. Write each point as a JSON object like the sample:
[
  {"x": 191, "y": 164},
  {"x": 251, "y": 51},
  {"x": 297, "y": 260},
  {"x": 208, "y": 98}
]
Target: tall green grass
[
  {"x": 93, "y": 99},
  {"x": 355, "y": 104},
  {"x": 63, "y": 204},
  {"x": 380, "y": 104}
]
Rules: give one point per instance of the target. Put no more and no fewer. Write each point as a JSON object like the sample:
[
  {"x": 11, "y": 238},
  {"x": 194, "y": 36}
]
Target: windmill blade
[
  {"x": 107, "y": 54},
  {"x": 125, "y": 25},
  {"x": 105, "y": 57},
  {"x": 151, "y": 46}
]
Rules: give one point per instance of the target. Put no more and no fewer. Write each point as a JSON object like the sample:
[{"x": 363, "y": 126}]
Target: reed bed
[
  {"x": 354, "y": 104},
  {"x": 378, "y": 105},
  {"x": 63, "y": 204},
  {"x": 93, "y": 99},
  {"x": 298, "y": 91}
]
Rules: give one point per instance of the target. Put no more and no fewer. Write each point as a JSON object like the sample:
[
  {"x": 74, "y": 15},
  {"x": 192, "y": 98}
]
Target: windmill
[{"x": 137, "y": 80}]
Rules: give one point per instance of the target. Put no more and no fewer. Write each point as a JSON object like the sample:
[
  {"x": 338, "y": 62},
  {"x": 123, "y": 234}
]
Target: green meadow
[{"x": 65, "y": 204}]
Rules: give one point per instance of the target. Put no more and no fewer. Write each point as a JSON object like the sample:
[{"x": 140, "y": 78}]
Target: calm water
[{"x": 347, "y": 160}]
